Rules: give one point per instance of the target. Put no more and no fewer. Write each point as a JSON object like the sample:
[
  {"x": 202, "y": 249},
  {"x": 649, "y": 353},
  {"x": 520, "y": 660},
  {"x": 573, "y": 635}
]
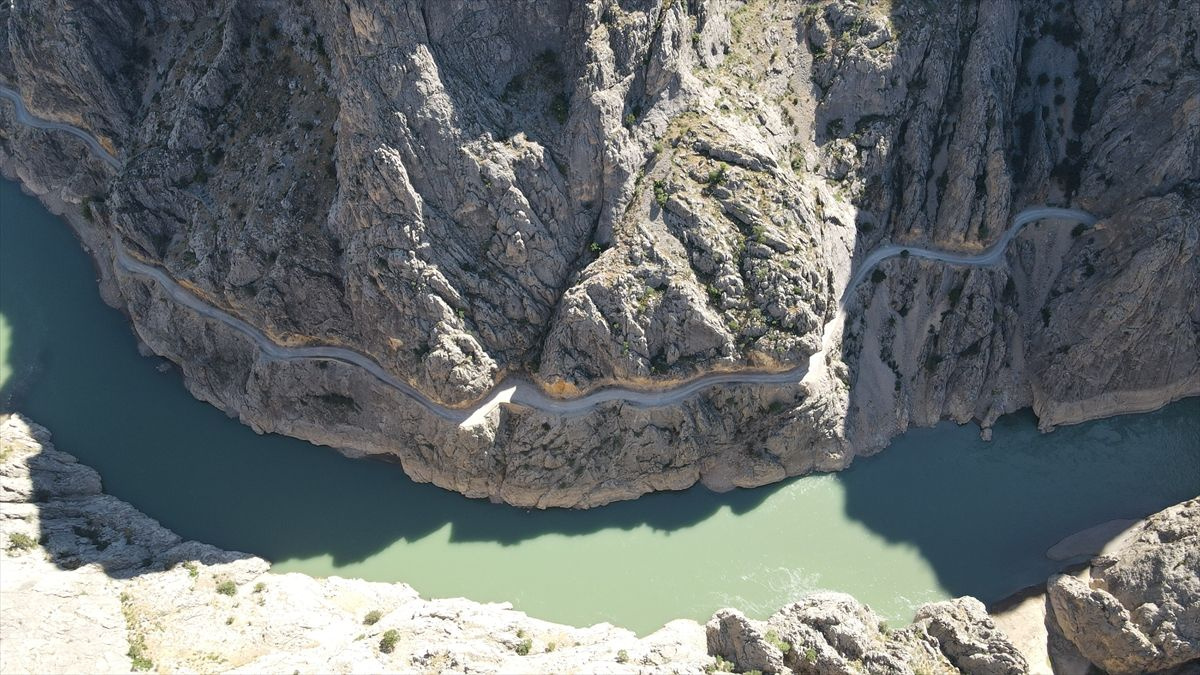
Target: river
[{"x": 938, "y": 514}]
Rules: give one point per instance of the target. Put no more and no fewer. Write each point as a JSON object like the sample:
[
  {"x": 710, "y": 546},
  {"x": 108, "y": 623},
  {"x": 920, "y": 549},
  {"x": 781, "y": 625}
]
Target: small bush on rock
[
  {"x": 782, "y": 645},
  {"x": 372, "y": 617},
  {"x": 227, "y": 587},
  {"x": 387, "y": 644},
  {"x": 19, "y": 541}
]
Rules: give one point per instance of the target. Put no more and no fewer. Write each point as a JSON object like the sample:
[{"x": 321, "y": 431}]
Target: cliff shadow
[{"x": 78, "y": 371}]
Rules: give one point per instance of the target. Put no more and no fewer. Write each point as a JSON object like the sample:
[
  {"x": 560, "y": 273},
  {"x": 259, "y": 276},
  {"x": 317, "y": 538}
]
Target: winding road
[
  {"x": 29, "y": 120},
  {"x": 520, "y": 390}
]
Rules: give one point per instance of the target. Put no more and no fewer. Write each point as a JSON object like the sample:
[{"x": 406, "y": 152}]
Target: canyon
[
  {"x": 556, "y": 255},
  {"x": 649, "y": 200}
]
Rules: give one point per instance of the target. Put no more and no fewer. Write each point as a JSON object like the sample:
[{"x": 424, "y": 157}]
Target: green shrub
[
  {"x": 227, "y": 587},
  {"x": 372, "y": 617},
  {"x": 630, "y": 119},
  {"x": 660, "y": 192},
  {"x": 260, "y": 587},
  {"x": 387, "y": 644},
  {"x": 718, "y": 175},
  {"x": 622, "y": 656},
  {"x": 524, "y": 647},
  {"x": 139, "y": 661},
  {"x": 780, "y": 644},
  {"x": 810, "y": 655},
  {"x": 20, "y": 541},
  {"x": 193, "y": 571}
]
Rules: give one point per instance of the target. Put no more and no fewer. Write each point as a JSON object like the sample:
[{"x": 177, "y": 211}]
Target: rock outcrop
[
  {"x": 833, "y": 633},
  {"x": 595, "y": 192},
  {"x": 1136, "y": 611}
]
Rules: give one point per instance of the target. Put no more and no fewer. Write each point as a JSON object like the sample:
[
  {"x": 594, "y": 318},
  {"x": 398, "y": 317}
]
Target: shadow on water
[
  {"x": 971, "y": 506},
  {"x": 207, "y": 476}
]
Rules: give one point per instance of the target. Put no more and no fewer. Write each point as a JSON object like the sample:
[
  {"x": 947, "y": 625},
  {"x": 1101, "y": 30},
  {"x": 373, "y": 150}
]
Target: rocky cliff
[
  {"x": 586, "y": 193},
  {"x": 90, "y": 584}
]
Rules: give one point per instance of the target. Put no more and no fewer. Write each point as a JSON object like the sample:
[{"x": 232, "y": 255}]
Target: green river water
[{"x": 938, "y": 514}]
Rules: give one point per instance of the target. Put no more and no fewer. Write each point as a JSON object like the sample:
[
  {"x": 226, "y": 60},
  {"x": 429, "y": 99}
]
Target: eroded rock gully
[{"x": 592, "y": 192}]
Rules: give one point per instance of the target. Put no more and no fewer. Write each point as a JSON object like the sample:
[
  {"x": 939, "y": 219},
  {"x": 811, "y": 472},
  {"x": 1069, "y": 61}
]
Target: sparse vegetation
[
  {"x": 622, "y": 656},
  {"x": 372, "y": 617},
  {"x": 524, "y": 646},
  {"x": 660, "y": 192},
  {"x": 387, "y": 644},
  {"x": 779, "y": 643},
  {"x": 718, "y": 175},
  {"x": 260, "y": 587},
  {"x": 138, "y": 656},
  {"x": 810, "y": 655},
  {"x": 191, "y": 568},
  {"x": 227, "y": 587},
  {"x": 719, "y": 665},
  {"x": 19, "y": 541}
]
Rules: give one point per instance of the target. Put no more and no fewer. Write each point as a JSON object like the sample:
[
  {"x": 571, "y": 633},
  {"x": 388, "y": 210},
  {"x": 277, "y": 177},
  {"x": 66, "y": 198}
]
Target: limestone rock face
[
  {"x": 590, "y": 193},
  {"x": 969, "y": 638},
  {"x": 833, "y": 633},
  {"x": 1138, "y": 612}
]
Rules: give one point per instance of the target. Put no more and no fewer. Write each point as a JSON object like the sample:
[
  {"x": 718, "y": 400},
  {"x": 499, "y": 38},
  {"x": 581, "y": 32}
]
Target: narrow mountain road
[
  {"x": 520, "y": 390},
  {"x": 29, "y": 120}
]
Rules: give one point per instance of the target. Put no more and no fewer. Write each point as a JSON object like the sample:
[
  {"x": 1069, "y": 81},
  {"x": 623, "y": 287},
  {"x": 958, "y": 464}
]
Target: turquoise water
[{"x": 938, "y": 514}]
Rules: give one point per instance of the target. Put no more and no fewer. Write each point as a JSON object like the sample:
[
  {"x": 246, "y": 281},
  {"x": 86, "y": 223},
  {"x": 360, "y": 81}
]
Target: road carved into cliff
[
  {"x": 24, "y": 117},
  {"x": 519, "y": 390}
]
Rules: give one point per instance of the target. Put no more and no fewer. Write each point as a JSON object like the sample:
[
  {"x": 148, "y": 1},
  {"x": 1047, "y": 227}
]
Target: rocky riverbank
[
  {"x": 646, "y": 192},
  {"x": 90, "y": 584}
]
